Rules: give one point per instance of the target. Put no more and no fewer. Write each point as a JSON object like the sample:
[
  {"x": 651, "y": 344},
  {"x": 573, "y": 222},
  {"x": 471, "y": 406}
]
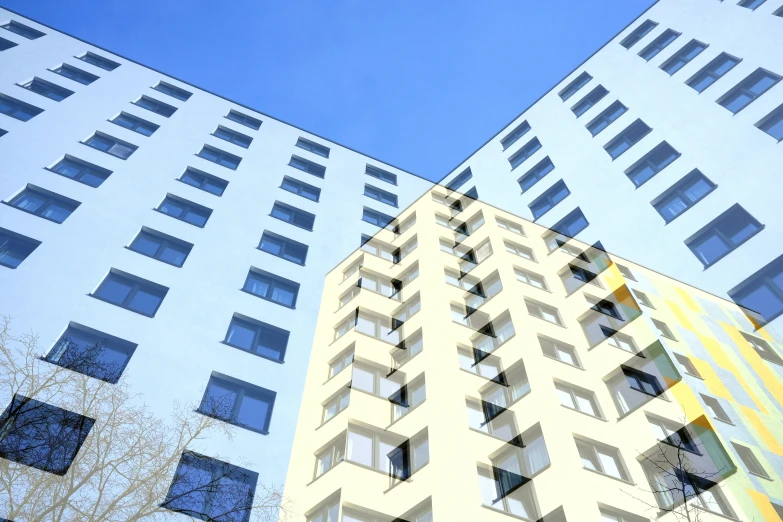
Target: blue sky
[{"x": 418, "y": 84}]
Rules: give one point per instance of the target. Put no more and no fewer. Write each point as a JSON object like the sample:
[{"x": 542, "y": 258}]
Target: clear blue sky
[{"x": 419, "y": 84}]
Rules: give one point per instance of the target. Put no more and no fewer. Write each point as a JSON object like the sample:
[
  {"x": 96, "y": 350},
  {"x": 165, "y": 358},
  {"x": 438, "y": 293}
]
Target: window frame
[
  {"x": 708, "y": 71},
  {"x": 98, "y": 135},
  {"x": 155, "y": 106},
  {"x": 260, "y": 331},
  {"x": 186, "y": 207},
  {"x": 313, "y": 147},
  {"x": 175, "y": 92},
  {"x": 273, "y": 282},
  {"x": 661, "y": 42},
  {"x": 741, "y": 88},
  {"x": 622, "y": 139},
  {"x": 137, "y": 284},
  {"x": 711, "y": 230},
  {"x": 60, "y": 93},
  {"x": 221, "y": 157},
  {"x": 681, "y": 57},
  {"x": 286, "y": 243},
  {"x": 205, "y": 179},
  {"x": 85, "y": 78},
  {"x": 18, "y": 107},
  {"x": 22, "y": 30},
  {"x": 525, "y": 152},
  {"x": 305, "y": 165},
  {"x": 641, "y": 30},
  {"x": 548, "y": 198},
  {"x": 380, "y": 195},
  {"x": 233, "y": 137},
  {"x": 380, "y": 174},
  {"x": 243, "y": 119},
  {"x": 302, "y": 188},
  {"x": 98, "y": 61},
  {"x": 537, "y": 173},
  {"x": 771, "y": 121},
  {"x": 514, "y": 136},
  {"x": 647, "y": 166},
  {"x": 678, "y": 191},
  {"x": 49, "y": 198},
  {"x": 136, "y": 123},
  {"x": 575, "y": 85},
  {"x": 163, "y": 240},
  {"x": 603, "y": 117},
  {"x": 10, "y": 239},
  {"x": 242, "y": 389},
  {"x": 609, "y": 451},
  {"x": 589, "y": 100}
]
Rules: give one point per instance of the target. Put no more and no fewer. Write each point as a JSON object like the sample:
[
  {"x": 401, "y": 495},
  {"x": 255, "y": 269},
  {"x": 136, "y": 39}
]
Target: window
[
  {"x": 574, "y": 86},
  {"x": 524, "y": 153},
  {"x": 6, "y": 44},
  {"x": 300, "y": 188},
  {"x": 723, "y": 235},
  {"x": 327, "y": 512},
  {"x": 615, "y": 515},
  {"x": 659, "y": 44},
  {"x": 623, "y": 342},
  {"x": 42, "y": 436},
  {"x": 688, "y": 366},
  {"x": 155, "y": 106},
  {"x": 22, "y": 30},
  {"x": 77, "y": 75},
  {"x": 283, "y": 247},
  {"x": 315, "y": 148},
  {"x": 512, "y": 137},
  {"x": 184, "y": 210},
  {"x": 220, "y": 157},
  {"x": 502, "y": 490},
  {"x": 531, "y": 279},
  {"x": 293, "y": 215},
  {"x": 460, "y": 180},
  {"x": 675, "y": 486},
  {"x": 174, "y": 92},
  {"x": 629, "y": 137},
  {"x": 642, "y": 298},
  {"x": 110, "y": 145},
  {"x": 257, "y": 338},
  {"x": 510, "y": 226},
  {"x": 409, "y": 396},
  {"x": 271, "y": 287},
  {"x": 382, "y": 175},
  {"x": 756, "y": 84},
  {"x": 712, "y": 72},
  {"x": 238, "y": 402},
  {"x": 45, "y": 204},
  {"x": 547, "y": 201},
  {"x": 410, "y": 347},
  {"x": 209, "y": 489},
  {"x": 473, "y": 362},
  {"x": 663, "y": 329},
  {"x": 603, "y": 459},
  {"x": 750, "y": 460},
  {"x": 131, "y": 292},
  {"x": 376, "y": 218},
  {"x": 162, "y": 247},
  {"x": 688, "y": 52},
  {"x": 651, "y": 164},
  {"x": 606, "y": 118},
  {"x": 575, "y": 277},
  {"x": 605, "y": 307},
  {"x": 715, "y": 409},
  {"x": 244, "y": 119},
  {"x": 683, "y": 195},
  {"x": 762, "y": 293},
  {"x": 763, "y": 348},
  {"x": 638, "y": 33},
  {"x": 494, "y": 335},
  {"x": 375, "y": 380},
  {"x": 336, "y": 404},
  {"x": 572, "y": 224},
  {"x": 671, "y": 433},
  {"x": 578, "y": 399},
  {"x": 204, "y": 181},
  {"x": 406, "y": 311},
  {"x": 542, "y": 311},
  {"x": 237, "y": 138},
  {"x": 535, "y": 174},
  {"x": 631, "y": 389},
  {"x": 135, "y": 124},
  {"x": 589, "y": 100},
  {"x": 380, "y": 195},
  {"x": 643, "y": 382},
  {"x": 559, "y": 351},
  {"x": 17, "y": 108},
  {"x": 44, "y": 88},
  {"x": 98, "y": 61},
  {"x": 501, "y": 427},
  {"x": 302, "y": 164},
  {"x": 343, "y": 361},
  {"x": 751, "y": 4},
  {"x": 92, "y": 353},
  {"x": 773, "y": 124},
  {"x": 14, "y": 248},
  {"x": 625, "y": 271}
]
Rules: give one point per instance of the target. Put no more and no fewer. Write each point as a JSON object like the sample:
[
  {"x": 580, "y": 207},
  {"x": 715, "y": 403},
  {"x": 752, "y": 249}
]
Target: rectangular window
[
  {"x": 586, "y": 103},
  {"x": 606, "y": 118},
  {"x": 343, "y": 361},
  {"x": 715, "y": 409},
  {"x": 578, "y": 399},
  {"x": 221, "y": 157},
  {"x": 688, "y": 52},
  {"x": 111, "y": 145},
  {"x": 135, "y": 124},
  {"x": 663, "y": 329},
  {"x": 375, "y": 172},
  {"x": 160, "y": 246},
  {"x": 642, "y": 298},
  {"x": 560, "y": 351},
  {"x": 45, "y": 204},
  {"x": 293, "y": 215},
  {"x": 48, "y": 89},
  {"x": 315, "y": 148},
  {"x": 271, "y": 287},
  {"x": 638, "y": 33},
  {"x": 174, "y": 92},
  {"x": 773, "y": 124},
  {"x": 204, "y": 181},
  {"x": 535, "y": 174},
  {"x": 602, "y": 459},
  {"x": 763, "y": 348},
  {"x": 751, "y": 4},
  {"x": 623, "y": 342},
  {"x": 308, "y": 166},
  {"x": 336, "y": 404},
  {"x": 131, "y": 292},
  {"x": 158, "y": 107},
  {"x": 14, "y": 248},
  {"x": 659, "y": 44},
  {"x": 510, "y": 226},
  {"x": 184, "y": 210},
  {"x": 409, "y": 396},
  {"x": 743, "y": 94},
  {"x": 22, "y": 30},
  {"x": 723, "y": 235},
  {"x": 626, "y": 272},
  {"x": 712, "y": 72},
  {"x": 380, "y": 195},
  {"x": 762, "y": 293},
  {"x": 257, "y": 337},
  {"x": 572, "y": 224},
  {"x": 98, "y": 61},
  {"x": 91, "y": 352},
  {"x": 376, "y": 218},
  {"x": 460, "y": 180},
  {"x": 231, "y": 136},
  {"x": 6, "y": 44},
  {"x": 687, "y": 366},
  {"x": 683, "y": 195},
  {"x": 283, "y": 247},
  {"x": 512, "y": 137},
  {"x": 524, "y": 153},
  {"x": 300, "y": 188},
  {"x": 652, "y": 163},
  {"x": 18, "y": 109},
  {"x": 238, "y": 402},
  {"x": 547, "y": 201},
  {"x": 575, "y": 277},
  {"x": 574, "y": 86},
  {"x": 244, "y": 119},
  {"x": 529, "y": 278},
  {"x": 750, "y": 460},
  {"x": 629, "y": 137},
  {"x": 81, "y": 171},
  {"x": 542, "y": 311},
  {"x": 672, "y": 434},
  {"x": 75, "y": 74}
]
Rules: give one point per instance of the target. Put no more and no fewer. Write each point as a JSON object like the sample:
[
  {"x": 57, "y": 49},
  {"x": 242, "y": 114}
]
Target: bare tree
[{"x": 73, "y": 447}]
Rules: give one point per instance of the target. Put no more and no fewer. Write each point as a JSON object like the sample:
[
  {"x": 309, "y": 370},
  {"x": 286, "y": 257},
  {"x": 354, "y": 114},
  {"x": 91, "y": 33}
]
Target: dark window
[
  {"x": 629, "y": 137},
  {"x": 743, "y": 94},
  {"x": 308, "y": 166},
  {"x": 17, "y": 108},
  {"x": 515, "y": 134},
  {"x": 45, "y": 204},
  {"x": 81, "y": 171},
  {"x": 77, "y": 75},
  {"x": 689, "y": 51},
  {"x": 184, "y": 210},
  {"x": 6, "y": 44},
  {"x": 376, "y": 218},
  {"x": 722, "y": 235},
  {"x": 609, "y": 115},
  {"x": 315, "y": 148},
  {"x": 652, "y": 163},
  {"x": 232, "y": 137},
  {"x": 751, "y": 4},
  {"x": 301, "y": 188},
  {"x": 779, "y": 13},
  {"x": 244, "y": 119},
  {"x": 589, "y": 100},
  {"x": 659, "y": 44},
  {"x": 210, "y": 489},
  {"x": 220, "y": 157},
  {"x": 174, "y": 92},
  {"x": 607, "y": 308},
  {"x": 524, "y": 153},
  {"x": 160, "y": 246},
  {"x": 712, "y": 72},
  {"x": 293, "y": 215},
  {"x": 3, "y": 132},
  {"x": 14, "y": 248},
  {"x": 135, "y": 124},
  {"x": 258, "y": 338},
  {"x": 238, "y": 402},
  {"x": 22, "y": 30},
  {"x": 204, "y": 181},
  {"x": 574, "y": 86},
  {"x": 271, "y": 287},
  {"x": 534, "y": 175},
  {"x": 42, "y": 436},
  {"x": 683, "y": 195},
  {"x": 642, "y": 382},
  {"x": 158, "y": 107},
  {"x": 131, "y": 292},
  {"x": 546, "y": 201},
  {"x": 110, "y": 145},
  {"x": 460, "y": 180},
  {"x": 98, "y": 61},
  {"x": 44, "y": 88},
  {"x": 375, "y": 172},
  {"x": 762, "y": 293},
  {"x": 92, "y": 353},
  {"x": 638, "y": 33},
  {"x": 380, "y": 195},
  {"x": 773, "y": 124},
  {"x": 572, "y": 224},
  {"x": 280, "y": 246}
]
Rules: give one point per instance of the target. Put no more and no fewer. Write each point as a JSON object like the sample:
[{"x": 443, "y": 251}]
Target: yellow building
[{"x": 473, "y": 366}]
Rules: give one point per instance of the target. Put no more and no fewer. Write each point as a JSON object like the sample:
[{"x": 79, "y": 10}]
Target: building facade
[{"x": 480, "y": 375}]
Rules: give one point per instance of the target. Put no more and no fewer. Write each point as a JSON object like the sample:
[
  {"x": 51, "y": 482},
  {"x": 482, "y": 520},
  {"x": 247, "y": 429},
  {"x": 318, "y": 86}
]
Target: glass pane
[
  {"x": 145, "y": 302},
  {"x": 253, "y": 412},
  {"x": 171, "y": 208},
  {"x": 710, "y": 249},
  {"x": 172, "y": 255},
  {"x": 146, "y": 245},
  {"x": 195, "y": 218},
  {"x": 114, "y": 290},
  {"x": 566, "y": 399},
  {"x": 359, "y": 448},
  {"x": 219, "y": 400},
  {"x": 737, "y": 101},
  {"x": 363, "y": 380},
  {"x": 240, "y": 335},
  {"x": 609, "y": 464}
]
